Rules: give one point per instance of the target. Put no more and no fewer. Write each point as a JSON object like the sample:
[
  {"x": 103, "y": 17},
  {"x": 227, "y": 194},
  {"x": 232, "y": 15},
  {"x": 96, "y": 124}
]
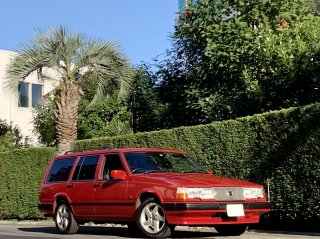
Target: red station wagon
[{"x": 150, "y": 190}]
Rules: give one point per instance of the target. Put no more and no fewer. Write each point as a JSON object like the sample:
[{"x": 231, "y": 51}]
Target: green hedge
[
  {"x": 21, "y": 172},
  {"x": 280, "y": 146}
]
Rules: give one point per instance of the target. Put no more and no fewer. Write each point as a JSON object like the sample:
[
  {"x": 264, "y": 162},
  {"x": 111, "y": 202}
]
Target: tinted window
[
  {"x": 86, "y": 168},
  {"x": 140, "y": 162},
  {"x": 60, "y": 170}
]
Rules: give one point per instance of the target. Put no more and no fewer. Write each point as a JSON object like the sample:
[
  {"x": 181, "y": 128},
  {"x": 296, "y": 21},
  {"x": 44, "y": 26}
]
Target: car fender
[
  {"x": 58, "y": 197},
  {"x": 145, "y": 193}
]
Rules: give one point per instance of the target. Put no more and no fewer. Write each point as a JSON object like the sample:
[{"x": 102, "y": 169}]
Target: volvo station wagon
[{"x": 149, "y": 190}]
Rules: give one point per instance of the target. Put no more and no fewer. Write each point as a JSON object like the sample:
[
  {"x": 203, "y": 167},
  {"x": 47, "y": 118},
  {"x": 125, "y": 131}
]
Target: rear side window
[
  {"x": 60, "y": 170},
  {"x": 86, "y": 168}
]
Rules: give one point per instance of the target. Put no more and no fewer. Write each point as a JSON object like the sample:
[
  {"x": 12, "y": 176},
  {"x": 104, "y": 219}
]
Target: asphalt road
[{"x": 9, "y": 230}]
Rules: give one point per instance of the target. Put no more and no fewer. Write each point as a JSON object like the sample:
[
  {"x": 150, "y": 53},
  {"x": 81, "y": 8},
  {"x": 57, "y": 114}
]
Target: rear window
[{"x": 60, "y": 170}]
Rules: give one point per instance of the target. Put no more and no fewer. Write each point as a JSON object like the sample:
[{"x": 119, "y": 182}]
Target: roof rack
[{"x": 84, "y": 150}]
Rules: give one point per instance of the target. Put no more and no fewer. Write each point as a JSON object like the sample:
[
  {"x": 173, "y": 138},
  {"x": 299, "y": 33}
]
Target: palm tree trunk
[{"x": 66, "y": 114}]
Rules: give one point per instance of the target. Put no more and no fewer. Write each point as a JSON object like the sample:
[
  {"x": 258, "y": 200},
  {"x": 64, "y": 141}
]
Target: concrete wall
[{"x": 9, "y": 110}]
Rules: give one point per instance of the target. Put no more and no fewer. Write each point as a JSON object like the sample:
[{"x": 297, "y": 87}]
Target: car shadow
[
  {"x": 287, "y": 232},
  {"x": 116, "y": 231}
]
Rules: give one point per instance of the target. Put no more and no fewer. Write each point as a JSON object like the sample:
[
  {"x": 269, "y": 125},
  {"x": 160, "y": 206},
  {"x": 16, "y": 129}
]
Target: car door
[
  {"x": 81, "y": 187},
  {"x": 111, "y": 195}
]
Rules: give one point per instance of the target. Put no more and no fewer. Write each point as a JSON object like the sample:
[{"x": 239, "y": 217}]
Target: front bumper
[{"x": 201, "y": 214}]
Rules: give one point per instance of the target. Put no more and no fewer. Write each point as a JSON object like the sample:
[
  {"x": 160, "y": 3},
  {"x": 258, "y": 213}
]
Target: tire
[
  {"x": 151, "y": 219},
  {"x": 64, "y": 219},
  {"x": 231, "y": 230}
]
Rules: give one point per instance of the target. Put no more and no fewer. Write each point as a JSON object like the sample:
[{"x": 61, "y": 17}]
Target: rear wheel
[
  {"x": 151, "y": 219},
  {"x": 231, "y": 230},
  {"x": 64, "y": 219}
]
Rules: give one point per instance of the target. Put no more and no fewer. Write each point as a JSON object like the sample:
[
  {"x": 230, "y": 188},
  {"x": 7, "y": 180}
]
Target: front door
[{"x": 111, "y": 194}]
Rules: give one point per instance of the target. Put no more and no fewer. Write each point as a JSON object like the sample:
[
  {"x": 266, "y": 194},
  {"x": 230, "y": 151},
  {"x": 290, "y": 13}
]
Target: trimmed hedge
[
  {"x": 21, "y": 172},
  {"x": 281, "y": 146}
]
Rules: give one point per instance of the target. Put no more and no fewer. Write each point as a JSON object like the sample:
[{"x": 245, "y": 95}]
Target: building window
[
  {"x": 29, "y": 97},
  {"x": 36, "y": 94},
  {"x": 23, "y": 94}
]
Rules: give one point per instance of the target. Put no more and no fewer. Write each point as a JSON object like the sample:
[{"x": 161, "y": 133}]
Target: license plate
[{"x": 235, "y": 210}]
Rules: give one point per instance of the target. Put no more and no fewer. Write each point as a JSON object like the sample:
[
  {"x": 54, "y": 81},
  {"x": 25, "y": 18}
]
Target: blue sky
[{"x": 141, "y": 27}]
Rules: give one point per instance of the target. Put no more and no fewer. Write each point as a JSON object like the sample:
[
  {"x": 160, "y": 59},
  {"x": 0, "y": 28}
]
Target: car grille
[{"x": 229, "y": 194}]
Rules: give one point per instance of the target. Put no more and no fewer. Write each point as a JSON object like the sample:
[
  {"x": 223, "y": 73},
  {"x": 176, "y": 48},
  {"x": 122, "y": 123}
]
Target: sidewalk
[{"x": 182, "y": 228}]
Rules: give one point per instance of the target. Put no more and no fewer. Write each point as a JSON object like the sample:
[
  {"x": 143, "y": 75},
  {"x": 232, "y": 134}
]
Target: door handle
[{"x": 70, "y": 185}]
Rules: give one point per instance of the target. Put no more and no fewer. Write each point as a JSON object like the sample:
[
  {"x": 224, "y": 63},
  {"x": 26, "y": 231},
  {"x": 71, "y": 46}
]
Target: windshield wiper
[
  {"x": 141, "y": 170},
  {"x": 195, "y": 171},
  {"x": 167, "y": 170},
  {"x": 160, "y": 171},
  {"x": 138, "y": 170}
]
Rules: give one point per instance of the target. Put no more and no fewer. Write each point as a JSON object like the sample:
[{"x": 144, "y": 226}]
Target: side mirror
[
  {"x": 118, "y": 174},
  {"x": 210, "y": 172}
]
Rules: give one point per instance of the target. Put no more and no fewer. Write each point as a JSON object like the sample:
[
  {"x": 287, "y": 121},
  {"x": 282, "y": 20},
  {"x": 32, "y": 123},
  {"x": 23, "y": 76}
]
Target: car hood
[{"x": 196, "y": 180}]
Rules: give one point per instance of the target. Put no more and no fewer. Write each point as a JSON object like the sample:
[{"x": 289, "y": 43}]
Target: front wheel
[
  {"x": 64, "y": 219},
  {"x": 231, "y": 230},
  {"x": 151, "y": 219}
]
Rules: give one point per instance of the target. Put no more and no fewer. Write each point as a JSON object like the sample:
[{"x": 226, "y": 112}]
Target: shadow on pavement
[
  {"x": 283, "y": 232},
  {"x": 116, "y": 231}
]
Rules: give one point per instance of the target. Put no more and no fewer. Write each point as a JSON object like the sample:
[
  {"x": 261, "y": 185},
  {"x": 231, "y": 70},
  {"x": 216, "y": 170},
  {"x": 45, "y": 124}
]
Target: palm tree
[{"x": 75, "y": 59}]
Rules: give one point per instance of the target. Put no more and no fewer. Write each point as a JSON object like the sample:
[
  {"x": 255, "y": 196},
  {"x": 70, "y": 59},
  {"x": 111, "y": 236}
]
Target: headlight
[
  {"x": 195, "y": 193},
  {"x": 250, "y": 193}
]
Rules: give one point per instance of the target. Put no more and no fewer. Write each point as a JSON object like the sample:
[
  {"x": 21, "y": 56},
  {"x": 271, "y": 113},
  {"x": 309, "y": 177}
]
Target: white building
[{"x": 19, "y": 110}]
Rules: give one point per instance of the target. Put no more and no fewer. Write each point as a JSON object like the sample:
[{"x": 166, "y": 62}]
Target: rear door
[
  {"x": 56, "y": 181},
  {"x": 81, "y": 187}
]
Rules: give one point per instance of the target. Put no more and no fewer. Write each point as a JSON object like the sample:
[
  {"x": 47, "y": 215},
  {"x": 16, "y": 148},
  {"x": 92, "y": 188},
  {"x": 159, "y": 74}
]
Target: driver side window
[{"x": 111, "y": 162}]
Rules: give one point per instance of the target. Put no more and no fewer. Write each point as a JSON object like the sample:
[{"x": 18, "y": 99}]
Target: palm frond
[
  {"x": 75, "y": 57},
  {"x": 28, "y": 61},
  {"x": 104, "y": 63}
]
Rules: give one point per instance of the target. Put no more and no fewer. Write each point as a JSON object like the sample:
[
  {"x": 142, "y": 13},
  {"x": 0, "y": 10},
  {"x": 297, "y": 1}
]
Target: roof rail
[{"x": 89, "y": 149}]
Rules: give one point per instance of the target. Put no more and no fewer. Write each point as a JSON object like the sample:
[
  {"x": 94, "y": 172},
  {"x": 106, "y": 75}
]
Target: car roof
[{"x": 117, "y": 150}]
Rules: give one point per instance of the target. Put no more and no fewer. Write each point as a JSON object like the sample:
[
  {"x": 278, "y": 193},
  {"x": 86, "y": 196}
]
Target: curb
[{"x": 16, "y": 222}]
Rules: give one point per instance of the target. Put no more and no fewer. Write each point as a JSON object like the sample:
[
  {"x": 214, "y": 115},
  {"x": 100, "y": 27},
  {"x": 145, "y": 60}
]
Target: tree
[
  {"x": 76, "y": 60},
  {"x": 147, "y": 110},
  {"x": 142, "y": 111},
  {"x": 107, "y": 117},
  {"x": 10, "y": 137},
  {"x": 234, "y": 58},
  {"x": 44, "y": 123}
]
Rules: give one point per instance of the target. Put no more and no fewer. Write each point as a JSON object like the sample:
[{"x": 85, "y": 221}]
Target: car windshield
[{"x": 148, "y": 162}]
